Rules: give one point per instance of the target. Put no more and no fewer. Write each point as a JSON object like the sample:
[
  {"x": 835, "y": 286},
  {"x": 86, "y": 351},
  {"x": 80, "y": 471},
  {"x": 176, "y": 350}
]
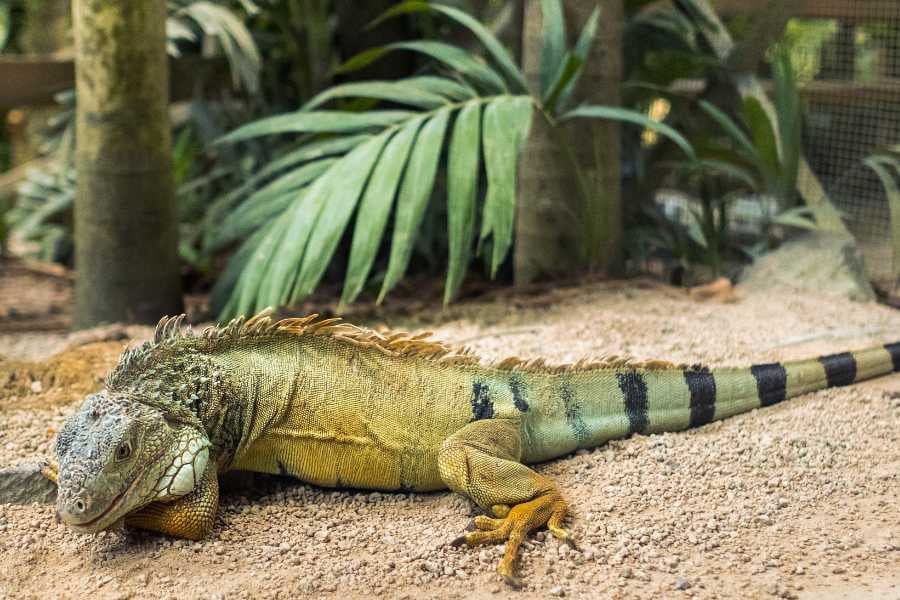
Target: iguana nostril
[{"x": 79, "y": 505}]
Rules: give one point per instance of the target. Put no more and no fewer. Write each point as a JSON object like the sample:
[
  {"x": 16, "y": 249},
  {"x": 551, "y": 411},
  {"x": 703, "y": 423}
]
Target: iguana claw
[
  {"x": 51, "y": 471},
  {"x": 548, "y": 508}
]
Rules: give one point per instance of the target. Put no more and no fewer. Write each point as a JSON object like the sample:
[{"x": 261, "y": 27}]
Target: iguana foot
[
  {"x": 516, "y": 523},
  {"x": 482, "y": 461},
  {"x": 51, "y": 471}
]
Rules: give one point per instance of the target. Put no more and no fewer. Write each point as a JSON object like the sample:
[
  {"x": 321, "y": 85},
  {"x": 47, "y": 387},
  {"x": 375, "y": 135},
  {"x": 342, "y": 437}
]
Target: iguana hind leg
[
  {"x": 191, "y": 516},
  {"x": 482, "y": 461}
]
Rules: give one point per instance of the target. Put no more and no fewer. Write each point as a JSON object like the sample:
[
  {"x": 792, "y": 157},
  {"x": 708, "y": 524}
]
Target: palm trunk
[
  {"x": 126, "y": 236},
  {"x": 569, "y": 208}
]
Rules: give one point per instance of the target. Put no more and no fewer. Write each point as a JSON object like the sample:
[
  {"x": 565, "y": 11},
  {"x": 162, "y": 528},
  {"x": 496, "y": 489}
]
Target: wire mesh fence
[{"x": 847, "y": 57}]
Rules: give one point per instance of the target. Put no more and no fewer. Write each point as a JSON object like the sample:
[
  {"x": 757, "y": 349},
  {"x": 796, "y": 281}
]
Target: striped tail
[
  {"x": 727, "y": 392},
  {"x": 587, "y": 409}
]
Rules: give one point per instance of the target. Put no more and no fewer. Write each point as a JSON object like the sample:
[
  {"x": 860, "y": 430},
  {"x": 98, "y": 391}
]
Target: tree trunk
[
  {"x": 126, "y": 238},
  {"x": 569, "y": 208}
]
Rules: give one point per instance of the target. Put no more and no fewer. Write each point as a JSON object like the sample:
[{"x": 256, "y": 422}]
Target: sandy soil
[{"x": 799, "y": 500}]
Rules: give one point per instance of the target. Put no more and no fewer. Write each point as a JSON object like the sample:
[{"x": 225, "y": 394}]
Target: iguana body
[{"x": 340, "y": 406}]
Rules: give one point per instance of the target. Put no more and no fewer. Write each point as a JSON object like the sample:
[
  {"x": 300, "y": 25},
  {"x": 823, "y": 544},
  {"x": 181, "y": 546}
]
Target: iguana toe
[
  {"x": 51, "y": 471},
  {"x": 548, "y": 508}
]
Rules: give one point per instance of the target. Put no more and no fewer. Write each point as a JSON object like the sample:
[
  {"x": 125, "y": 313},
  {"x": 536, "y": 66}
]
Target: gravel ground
[{"x": 798, "y": 500}]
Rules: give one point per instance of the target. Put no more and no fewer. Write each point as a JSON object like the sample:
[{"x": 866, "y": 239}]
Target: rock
[
  {"x": 557, "y": 591},
  {"x": 24, "y": 484},
  {"x": 820, "y": 262},
  {"x": 682, "y": 584}
]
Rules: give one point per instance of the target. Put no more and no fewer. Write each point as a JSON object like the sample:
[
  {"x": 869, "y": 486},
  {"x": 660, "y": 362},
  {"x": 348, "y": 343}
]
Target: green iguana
[{"x": 341, "y": 406}]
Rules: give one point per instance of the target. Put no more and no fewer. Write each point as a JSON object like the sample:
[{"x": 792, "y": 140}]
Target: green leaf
[
  {"x": 695, "y": 229},
  {"x": 225, "y": 203},
  {"x": 553, "y": 48},
  {"x": 414, "y": 194},
  {"x": 581, "y": 51},
  {"x": 790, "y": 123},
  {"x": 456, "y": 58},
  {"x": 630, "y": 116},
  {"x": 882, "y": 167},
  {"x": 400, "y": 92},
  {"x": 802, "y": 217},
  {"x": 362, "y": 60},
  {"x": 236, "y": 40},
  {"x": 247, "y": 297},
  {"x": 375, "y": 208},
  {"x": 5, "y": 23},
  {"x": 310, "y": 151},
  {"x": 462, "y": 186},
  {"x": 282, "y": 276},
  {"x": 224, "y": 293},
  {"x": 731, "y": 128},
  {"x": 496, "y": 50},
  {"x": 324, "y": 121},
  {"x": 570, "y": 68},
  {"x": 349, "y": 180},
  {"x": 731, "y": 170},
  {"x": 443, "y": 86},
  {"x": 265, "y": 203},
  {"x": 507, "y": 122},
  {"x": 291, "y": 180},
  {"x": 762, "y": 131}
]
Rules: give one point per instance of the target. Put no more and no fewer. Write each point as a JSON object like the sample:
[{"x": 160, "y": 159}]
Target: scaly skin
[{"x": 340, "y": 406}]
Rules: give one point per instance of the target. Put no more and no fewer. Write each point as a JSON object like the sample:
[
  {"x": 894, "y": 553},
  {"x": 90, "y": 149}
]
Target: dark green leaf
[
  {"x": 569, "y": 68},
  {"x": 362, "y": 60},
  {"x": 462, "y": 186},
  {"x": 414, "y": 194},
  {"x": 762, "y": 131}
]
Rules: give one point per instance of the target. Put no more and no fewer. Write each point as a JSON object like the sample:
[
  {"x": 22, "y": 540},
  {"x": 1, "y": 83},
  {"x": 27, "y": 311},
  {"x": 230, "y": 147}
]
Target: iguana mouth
[{"x": 117, "y": 501}]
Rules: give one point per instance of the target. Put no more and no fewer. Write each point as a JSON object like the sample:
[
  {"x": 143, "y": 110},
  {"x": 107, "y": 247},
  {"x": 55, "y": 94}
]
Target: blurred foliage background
[{"x": 355, "y": 146}]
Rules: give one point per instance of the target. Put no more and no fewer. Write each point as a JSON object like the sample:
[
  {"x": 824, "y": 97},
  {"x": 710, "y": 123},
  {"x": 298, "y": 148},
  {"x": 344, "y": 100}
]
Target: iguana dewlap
[{"x": 340, "y": 406}]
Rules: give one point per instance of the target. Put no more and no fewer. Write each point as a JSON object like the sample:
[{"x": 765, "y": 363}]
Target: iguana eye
[{"x": 123, "y": 451}]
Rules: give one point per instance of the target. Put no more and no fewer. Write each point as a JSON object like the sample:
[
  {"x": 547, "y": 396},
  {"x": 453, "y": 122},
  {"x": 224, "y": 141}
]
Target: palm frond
[{"x": 382, "y": 166}]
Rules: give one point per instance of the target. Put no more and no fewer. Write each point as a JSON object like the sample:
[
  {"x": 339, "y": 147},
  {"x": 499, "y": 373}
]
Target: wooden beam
[
  {"x": 853, "y": 10},
  {"x": 33, "y": 80},
  {"x": 821, "y": 92}
]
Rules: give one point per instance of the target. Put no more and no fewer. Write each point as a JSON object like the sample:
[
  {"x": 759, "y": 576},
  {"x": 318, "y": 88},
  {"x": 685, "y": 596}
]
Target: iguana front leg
[
  {"x": 482, "y": 461},
  {"x": 191, "y": 516}
]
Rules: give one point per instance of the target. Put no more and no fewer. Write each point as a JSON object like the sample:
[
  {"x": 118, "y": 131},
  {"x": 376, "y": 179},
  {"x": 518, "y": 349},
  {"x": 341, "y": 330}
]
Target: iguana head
[{"x": 116, "y": 455}]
